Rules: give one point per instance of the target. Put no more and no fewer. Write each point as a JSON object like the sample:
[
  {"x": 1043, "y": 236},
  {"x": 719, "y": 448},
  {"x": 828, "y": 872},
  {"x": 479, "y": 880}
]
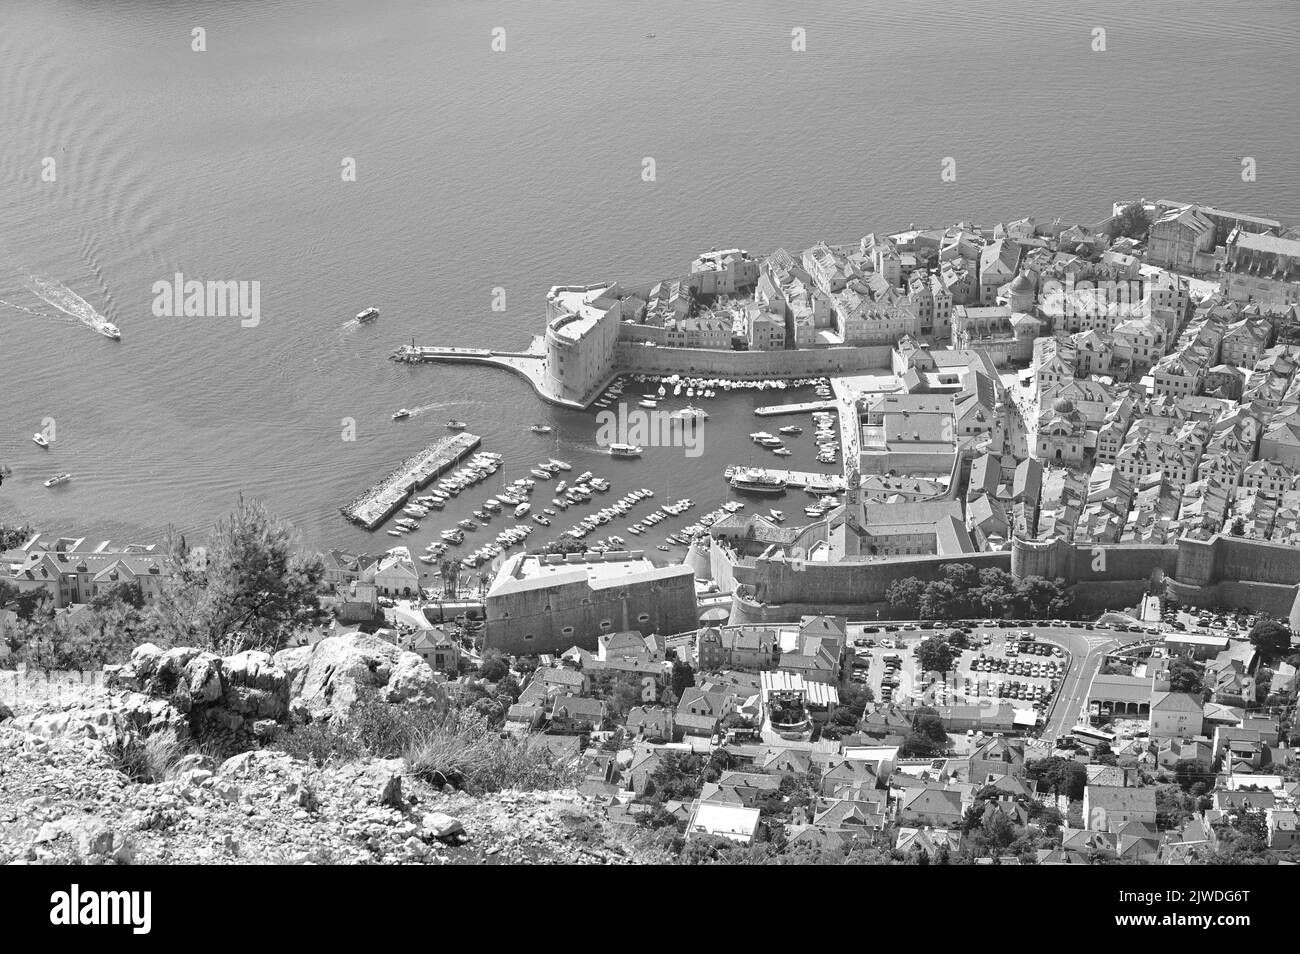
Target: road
[{"x": 1086, "y": 647}]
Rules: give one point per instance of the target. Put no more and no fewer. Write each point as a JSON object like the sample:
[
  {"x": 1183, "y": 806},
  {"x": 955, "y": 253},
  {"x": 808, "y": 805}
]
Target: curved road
[{"x": 1087, "y": 648}]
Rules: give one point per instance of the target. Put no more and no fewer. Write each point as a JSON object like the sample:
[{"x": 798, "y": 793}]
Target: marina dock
[
  {"x": 771, "y": 410},
  {"x": 799, "y": 479},
  {"x": 375, "y": 505}
]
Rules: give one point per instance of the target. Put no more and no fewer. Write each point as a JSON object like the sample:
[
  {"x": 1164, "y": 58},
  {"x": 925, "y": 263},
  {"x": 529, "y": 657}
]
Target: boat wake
[
  {"x": 34, "y": 313},
  {"x": 60, "y": 296}
]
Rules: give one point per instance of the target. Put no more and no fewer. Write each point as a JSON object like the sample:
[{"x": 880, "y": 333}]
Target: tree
[
  {"x": 683, "y": 677},
  {"x": 1064, "y": 776},
  {"x": 904, "y": 596},
  {"x": 1272, "y": 638},
  {"x": 493, "y": 667},
  {"x": 249, "y": 587},
  {"x": 934, "y": 655},
  {"x": 11, "y": 537},
  {"x": 1132, "y": 222},
  {"x": 1185, "y": 676}
]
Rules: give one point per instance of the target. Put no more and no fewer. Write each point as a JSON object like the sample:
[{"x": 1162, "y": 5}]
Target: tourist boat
[
  {"x": 690, "y": 412},
  {"x": 790, "y": 429},
  {"x": 401, "y": 413},
  {"x": 540, "y": 428},
  {"x": 370, "y": 314},
  {"x": 58, "y": 479},
  {"x": 457, "y": 425},
  {"x": 41, "y": 440},
  {"x": 109, "y": 330},
  {"x": 522, "y": 509},
  {"x": 757, "y": 482},
  {"x": 624, "y": 450}
]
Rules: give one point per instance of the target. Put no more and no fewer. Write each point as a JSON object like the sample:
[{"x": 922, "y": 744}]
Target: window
[
  {"x": 567, "y": 631},
  {"x": 643, "y": 618},
  {"x": 606, "y": 624},
  {"x": 528, "y": 636}
]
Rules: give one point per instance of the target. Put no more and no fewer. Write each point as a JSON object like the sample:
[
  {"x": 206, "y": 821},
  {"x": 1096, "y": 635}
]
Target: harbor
[{"x": 376, "y": 504}]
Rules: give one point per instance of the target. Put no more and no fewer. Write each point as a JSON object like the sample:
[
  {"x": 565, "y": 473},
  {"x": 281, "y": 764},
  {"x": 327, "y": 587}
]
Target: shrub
[
  {"x": 463, "y": 750},
  {"x": 145, "y": 759}
]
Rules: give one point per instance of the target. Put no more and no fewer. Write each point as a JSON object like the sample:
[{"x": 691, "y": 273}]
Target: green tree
[{"x": 493, "y": 666}]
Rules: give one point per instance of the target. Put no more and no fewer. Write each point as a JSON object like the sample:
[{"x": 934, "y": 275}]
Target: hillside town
[{"x": 1043, "y": 613}]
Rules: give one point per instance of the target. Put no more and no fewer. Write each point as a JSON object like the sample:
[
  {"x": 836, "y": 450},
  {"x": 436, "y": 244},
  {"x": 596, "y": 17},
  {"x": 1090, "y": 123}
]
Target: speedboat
[
  {"x": 58, "y": 479},
  {"x": 109, "y": 330},
  {"x": 540, "y": 428},
  {"x": 457, "y": 425},
  {"x": 781, "y": 451},
  {"x": 370, "y": 314},
  {"x": 522, "y": 509},
  {"x": 790, "y": 429},
  {"x": 561, "y": 464},
  {"x": 41, "y": 440},
  {"x": 401, "y": 413}
]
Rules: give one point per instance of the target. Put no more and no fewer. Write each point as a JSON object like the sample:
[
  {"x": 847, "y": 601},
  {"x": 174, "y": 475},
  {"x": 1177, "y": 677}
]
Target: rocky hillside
[{"x": 64, "y": 797}]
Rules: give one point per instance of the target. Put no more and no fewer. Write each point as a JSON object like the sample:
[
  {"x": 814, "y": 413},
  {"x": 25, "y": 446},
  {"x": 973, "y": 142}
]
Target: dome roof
[
  {"x": 1063, "y": 405},
  {"x": 1021, "y": 283}
]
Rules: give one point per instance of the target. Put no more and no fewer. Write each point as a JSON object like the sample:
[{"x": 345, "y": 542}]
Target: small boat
[
  {"x": 662, "y": 547},
  {"x": 781, "y": 451},
  {"x": 540, "y": 428},
  {"x": 394, "y": 533},
  {"x": 790, "y": 429},
  {"x": 401, "y": 413},
  {"x": 457, "y": 425},
  {"x": 561, "y": 464},
  {"x": 648, "y": 402},
  {"x": 522, "y": 510},
  {"x": 541, "y": 474},
  {"x": 58, "y": 479},
  {"x": 370, "y": 314},
  {"x": 109, "y": 330},
  {"x": 538, "y": 518},
  {"x": 41, "y": 440},
  {"x": 467, "y": 524}
]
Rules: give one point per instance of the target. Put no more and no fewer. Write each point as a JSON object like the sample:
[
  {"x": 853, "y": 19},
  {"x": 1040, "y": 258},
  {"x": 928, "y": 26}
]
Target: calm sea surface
[{"x": 519, "y": 170}]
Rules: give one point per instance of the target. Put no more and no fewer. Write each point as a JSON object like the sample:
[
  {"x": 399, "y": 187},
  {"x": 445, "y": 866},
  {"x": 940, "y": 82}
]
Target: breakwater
[{"x": 377, "y": 503}]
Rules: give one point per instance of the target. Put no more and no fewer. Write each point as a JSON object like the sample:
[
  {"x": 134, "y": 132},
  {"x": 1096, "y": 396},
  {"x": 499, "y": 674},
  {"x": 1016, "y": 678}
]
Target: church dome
[
  {"x": 1021, "y": 284},
  {"x": 1063, "y": 405}
]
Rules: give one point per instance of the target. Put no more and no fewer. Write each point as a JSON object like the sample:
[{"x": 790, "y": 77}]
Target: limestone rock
[{"x": 331, "y": 676}]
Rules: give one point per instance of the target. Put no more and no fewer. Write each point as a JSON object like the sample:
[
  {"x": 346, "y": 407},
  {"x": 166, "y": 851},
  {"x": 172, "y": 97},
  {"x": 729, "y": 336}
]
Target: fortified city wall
[{"x": 1220, "y": 571}]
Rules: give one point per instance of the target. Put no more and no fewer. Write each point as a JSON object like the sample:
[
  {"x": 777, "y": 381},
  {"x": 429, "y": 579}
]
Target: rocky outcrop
[
  {"x": 61, "y": 801},
  {"x": 329, "y": 677},
  {"x": 248, "y": 696}
]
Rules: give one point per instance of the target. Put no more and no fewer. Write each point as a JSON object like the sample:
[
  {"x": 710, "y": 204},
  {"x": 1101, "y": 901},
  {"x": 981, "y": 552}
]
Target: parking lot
[{"x": 994, "y": 669}]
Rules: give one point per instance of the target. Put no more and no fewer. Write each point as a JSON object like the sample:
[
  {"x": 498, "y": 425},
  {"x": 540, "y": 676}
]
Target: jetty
[
  {"x": 806, "y": 480},
  {"x": 376, "y": 504},
  {"x": 771, "y": 410}
]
